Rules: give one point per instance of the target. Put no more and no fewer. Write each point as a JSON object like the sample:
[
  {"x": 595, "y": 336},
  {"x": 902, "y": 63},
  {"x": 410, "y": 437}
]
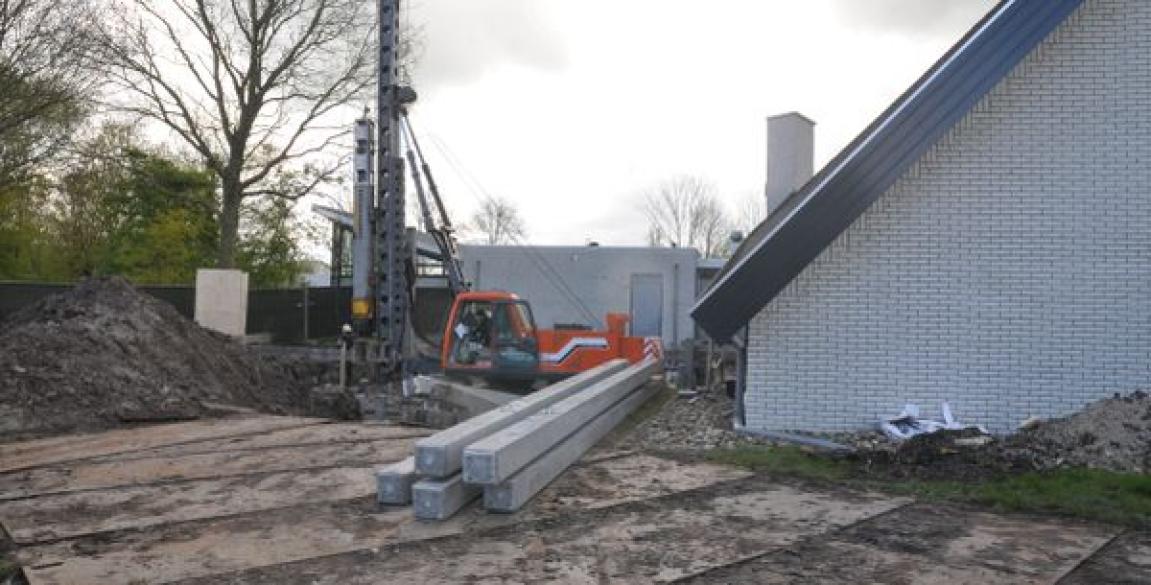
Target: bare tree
[
  {"x": 685, "y": 211},
  {"x": 497, "y": 222},
  {"x": 45, "y": 76},
  {"x": 253, "y": 87},
  {"x": 750, "y": 211}
]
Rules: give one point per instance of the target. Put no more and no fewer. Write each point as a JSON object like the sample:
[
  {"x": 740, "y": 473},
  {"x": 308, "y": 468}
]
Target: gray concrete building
[
  {"x": 986, "y": 242},
  {"x": 580, "y": 284}
]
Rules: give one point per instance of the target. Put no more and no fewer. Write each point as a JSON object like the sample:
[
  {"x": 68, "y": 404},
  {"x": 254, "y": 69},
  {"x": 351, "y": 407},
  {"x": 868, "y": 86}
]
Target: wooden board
[
  {"x": 22, "y": 455},
  {"x": 43, "y": 481},
  {"x": 171, "y": 552}
]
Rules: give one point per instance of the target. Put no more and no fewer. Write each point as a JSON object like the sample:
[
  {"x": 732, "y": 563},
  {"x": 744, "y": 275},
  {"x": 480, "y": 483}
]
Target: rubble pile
[
  {"x": 104, "y": 354},
  {"x": 1113, "y": 434},
  {"x": 699, "y": 421}
]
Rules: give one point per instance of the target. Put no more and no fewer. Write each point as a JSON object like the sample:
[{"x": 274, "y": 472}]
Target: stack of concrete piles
[{"x": 512, "y": 452}]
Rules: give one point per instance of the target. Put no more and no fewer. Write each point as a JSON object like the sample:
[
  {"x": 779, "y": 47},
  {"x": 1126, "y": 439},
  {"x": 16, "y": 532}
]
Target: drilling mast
[{"x": 392, "y": 289}]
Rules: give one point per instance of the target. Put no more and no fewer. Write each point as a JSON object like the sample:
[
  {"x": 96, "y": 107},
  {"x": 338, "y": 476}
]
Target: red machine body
[{"x": 492, "y": 335}]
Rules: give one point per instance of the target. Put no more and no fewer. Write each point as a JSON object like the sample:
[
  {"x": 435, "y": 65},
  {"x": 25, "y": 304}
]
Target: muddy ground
[
  {"x": 939, "y": 544},
  {"x": 291, "y": 500}
]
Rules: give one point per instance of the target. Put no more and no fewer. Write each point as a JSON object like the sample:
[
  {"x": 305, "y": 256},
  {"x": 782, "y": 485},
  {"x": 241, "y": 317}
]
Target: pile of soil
[
  {"x": 962, "y": 455},
  {"x": 104, "y": 354},
  {"x": 1112, "y": 434}
]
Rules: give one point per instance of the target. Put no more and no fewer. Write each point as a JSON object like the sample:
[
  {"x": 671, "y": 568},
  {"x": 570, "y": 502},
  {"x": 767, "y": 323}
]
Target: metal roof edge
[{"x": 862, "y": 146}]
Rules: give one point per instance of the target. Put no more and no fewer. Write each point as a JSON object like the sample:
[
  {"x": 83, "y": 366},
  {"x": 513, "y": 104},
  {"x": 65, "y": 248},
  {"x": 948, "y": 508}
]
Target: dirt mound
[
  {"x": 104, "y": 354},
  {"x": 962, "y": 455},
  {"x": 1112, "y": 434}
]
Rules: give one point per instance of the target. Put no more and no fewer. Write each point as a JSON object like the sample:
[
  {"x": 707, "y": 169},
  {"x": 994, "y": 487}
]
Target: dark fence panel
[
  {"x": 181, "y": 297},
  {"x": 15, "y": 295},
  {"x": 296, "y": 315},
  {"x": 329, "y": 309},
  {"x": 278, "y": 312}
]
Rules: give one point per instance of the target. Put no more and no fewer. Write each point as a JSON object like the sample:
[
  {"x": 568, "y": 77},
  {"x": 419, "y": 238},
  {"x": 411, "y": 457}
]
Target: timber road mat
[{"x": 274, "y": 500}]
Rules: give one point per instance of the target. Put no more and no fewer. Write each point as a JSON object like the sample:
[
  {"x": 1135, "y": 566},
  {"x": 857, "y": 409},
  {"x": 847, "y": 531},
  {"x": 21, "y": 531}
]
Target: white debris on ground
[{"x": 909, "y": 423}]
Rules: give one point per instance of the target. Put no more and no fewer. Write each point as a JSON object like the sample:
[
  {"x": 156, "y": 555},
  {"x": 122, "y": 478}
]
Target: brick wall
[{"x": 1008, "y": 272}]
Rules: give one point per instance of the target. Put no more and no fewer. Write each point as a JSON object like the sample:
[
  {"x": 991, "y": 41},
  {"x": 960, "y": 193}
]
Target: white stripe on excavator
[{"x": 574, "y": 344}]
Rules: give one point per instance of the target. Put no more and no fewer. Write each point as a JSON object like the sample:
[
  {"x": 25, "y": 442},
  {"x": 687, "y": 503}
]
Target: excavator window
[
  {"x": 472, "y": 341},
  {"x": 514, "y": 322},
  {"x": 486, "y": 329}
]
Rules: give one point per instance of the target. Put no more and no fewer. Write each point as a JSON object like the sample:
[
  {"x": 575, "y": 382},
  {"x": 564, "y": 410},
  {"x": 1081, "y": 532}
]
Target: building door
[{"x": 647, "y": 305}]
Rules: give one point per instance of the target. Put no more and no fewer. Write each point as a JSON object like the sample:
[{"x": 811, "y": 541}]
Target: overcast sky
[{"x": 570, "y": 108}]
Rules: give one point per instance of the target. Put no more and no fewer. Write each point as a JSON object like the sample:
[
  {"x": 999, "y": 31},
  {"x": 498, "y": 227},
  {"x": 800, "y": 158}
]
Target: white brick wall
[{"x": 1009, "y": 271}]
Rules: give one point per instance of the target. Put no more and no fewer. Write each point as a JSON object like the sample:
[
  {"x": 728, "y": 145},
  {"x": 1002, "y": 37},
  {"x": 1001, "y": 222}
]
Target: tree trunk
[{"x": 229, "y": 223}]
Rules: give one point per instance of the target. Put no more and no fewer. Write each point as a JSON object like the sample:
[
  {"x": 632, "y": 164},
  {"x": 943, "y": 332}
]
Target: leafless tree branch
[
  {"x": 685, "y": 211},
  {"x": 250, "y": 85}
]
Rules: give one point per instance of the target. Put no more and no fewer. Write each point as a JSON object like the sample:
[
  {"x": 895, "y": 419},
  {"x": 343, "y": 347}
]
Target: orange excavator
[{"x": 492, "y": 335}]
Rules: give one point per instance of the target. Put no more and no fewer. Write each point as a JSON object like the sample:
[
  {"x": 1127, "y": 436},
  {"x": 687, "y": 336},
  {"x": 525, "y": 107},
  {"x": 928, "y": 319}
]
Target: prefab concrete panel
[{"x": 222, "y": 300}]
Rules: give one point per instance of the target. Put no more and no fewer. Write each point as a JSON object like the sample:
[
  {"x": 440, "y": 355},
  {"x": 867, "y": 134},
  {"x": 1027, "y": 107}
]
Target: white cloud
[
  {"x": 463, "y": 40},
  {"x": 921, "y": 18},
  {"x": 569, "y": 108}
]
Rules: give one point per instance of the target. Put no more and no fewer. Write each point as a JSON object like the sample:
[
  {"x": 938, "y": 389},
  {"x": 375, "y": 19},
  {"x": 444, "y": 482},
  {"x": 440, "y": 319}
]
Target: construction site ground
[{"x": 272, "y": 499}]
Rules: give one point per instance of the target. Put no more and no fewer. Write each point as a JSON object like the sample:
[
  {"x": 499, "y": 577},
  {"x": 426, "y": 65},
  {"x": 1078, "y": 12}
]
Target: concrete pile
[
  {"x": 105, "y": 354},
  {"x": 511, "y": 453}
]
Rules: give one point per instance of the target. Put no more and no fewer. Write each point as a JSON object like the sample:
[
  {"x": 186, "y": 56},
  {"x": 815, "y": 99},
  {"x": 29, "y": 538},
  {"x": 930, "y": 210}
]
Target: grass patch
[
  {"x": 1104, "y": 496},
  {"x": 784, "y": 460},
  {"x": 1116, "y": 498}
]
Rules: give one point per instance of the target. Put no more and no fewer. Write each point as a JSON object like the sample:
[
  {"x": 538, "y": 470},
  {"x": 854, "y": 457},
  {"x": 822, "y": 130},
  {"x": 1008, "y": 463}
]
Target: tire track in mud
[
  {"x": 928, "y": 543},
  {"x": 696, "y": 577}
]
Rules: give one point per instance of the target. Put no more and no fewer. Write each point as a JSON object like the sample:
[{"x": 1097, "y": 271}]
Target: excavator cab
[{"x": 491, "y": 335}]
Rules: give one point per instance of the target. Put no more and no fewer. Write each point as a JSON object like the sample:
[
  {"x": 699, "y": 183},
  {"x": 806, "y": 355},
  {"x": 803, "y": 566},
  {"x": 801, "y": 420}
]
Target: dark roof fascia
[{"x": 813, "y": 217}]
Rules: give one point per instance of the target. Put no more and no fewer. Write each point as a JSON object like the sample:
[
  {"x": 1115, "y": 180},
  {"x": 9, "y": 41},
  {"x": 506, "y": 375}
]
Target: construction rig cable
[{"x": 548, "y": 271}]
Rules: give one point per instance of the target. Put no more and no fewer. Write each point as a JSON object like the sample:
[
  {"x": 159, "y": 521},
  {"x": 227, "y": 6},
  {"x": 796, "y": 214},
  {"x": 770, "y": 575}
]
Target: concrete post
[
  {"x": 222, "y": 300},
  {"x": 497, "y": 457},
  {"x": 439, "y": 499},
  {"x": 394, "y": 483},
  {"x": 441, "y": 455},
  {"x": 513, "y": 493}
]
